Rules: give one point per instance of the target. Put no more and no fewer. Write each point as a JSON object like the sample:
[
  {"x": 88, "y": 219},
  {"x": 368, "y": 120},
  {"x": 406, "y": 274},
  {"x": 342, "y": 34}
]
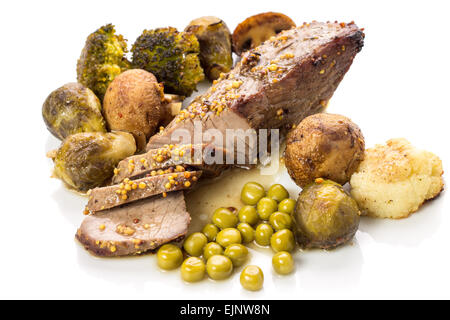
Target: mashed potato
[{"x": 395, "y": 179}]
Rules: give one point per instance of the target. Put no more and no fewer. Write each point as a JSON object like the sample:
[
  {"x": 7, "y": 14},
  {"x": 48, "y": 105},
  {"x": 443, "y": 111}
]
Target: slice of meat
[
  {"x": 131, "y": 190},
  {"x": 274, "y": 86},
  {"x": 172, "y": 157},
  {"x": 136, "y": 227}
]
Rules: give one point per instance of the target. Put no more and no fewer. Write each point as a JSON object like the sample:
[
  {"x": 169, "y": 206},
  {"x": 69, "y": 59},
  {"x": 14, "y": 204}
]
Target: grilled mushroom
[{"x": 256, "y": 29}]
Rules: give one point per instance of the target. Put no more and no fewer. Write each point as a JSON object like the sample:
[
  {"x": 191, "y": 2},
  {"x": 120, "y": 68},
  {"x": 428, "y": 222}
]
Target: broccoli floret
[
  {"x": 171, "y": 56},
  {"x": 102, "y": 59},
  {"x": 215, "y": 45}
]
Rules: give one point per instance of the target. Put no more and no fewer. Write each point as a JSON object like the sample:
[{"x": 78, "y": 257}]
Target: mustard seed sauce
[{"x": 224, "y": 191}]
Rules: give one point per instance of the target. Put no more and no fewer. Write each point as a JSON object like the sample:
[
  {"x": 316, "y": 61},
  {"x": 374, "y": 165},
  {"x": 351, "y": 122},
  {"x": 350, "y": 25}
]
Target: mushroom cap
[
  {"x": 132, "y": 103},
  {"x": 258, "y": 28}
]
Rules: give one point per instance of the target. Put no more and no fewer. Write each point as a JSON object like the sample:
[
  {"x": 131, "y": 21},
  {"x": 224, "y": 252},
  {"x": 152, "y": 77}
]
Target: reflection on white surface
[
  {"x": 336, "y": 269},
  {"x": 318, "y": 273},
  {"x": 390, "y": 91},
  {"x": 70, "y": 205},
  {"x": 132, "y": 272},
  {"x": 409, "y": 232},
  {"x": 51, "y": 143}
]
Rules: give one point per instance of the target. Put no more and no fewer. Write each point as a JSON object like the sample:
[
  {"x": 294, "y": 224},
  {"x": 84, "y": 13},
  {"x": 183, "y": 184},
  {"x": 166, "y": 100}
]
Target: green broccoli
[
  {"x": 102, "y": 59},
  {"x": 172, "y": 57}
]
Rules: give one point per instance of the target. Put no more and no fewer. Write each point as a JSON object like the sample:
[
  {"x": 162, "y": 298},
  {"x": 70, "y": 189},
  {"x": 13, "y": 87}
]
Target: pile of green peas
[{"x": 265, "y": 219}]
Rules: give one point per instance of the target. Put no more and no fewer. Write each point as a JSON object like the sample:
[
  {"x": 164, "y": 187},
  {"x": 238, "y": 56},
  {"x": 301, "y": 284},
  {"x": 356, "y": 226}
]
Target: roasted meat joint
[
  {"x": 143, "y": 159},
  {"x": 274, "y": 86}
]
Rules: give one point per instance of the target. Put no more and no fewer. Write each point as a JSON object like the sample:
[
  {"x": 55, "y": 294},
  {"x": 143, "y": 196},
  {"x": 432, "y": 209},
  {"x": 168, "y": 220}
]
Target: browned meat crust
[{"x": 275, "y": 85}]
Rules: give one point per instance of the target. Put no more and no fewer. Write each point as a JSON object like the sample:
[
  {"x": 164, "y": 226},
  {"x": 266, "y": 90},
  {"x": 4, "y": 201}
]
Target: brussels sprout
[
  {"x": 325, "y": 216},
  {"x": 102, "y": 59},
  {"x": 86, "y": 160},
  {"x": 215, "y": 45},
  {"x": 73, "y": 108}
]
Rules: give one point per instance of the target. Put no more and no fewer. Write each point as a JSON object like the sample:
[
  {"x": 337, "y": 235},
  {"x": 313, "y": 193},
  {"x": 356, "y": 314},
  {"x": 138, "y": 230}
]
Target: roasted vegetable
[
  {"x": 326, "y": 146},
  {"x": 132, "y": 103},
  {"x": 73, "y": 108},
  {"x": 102, "y": 59},
  {"x": 215, "y": 45},
  {"x": 86, "y": 160},
  {"x": 258, "y": 28},
  {"x": 171, "y": 56},
  {"x": 325, "y": 216}
]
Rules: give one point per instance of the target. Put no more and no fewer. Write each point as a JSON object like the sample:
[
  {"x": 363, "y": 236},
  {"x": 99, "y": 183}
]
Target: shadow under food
[
  {"x": 70, "y": 204},
  {"x": 410, "y": 231},
  {"x": 336, "y": 269},
  {"x": 117, "y": 270}
]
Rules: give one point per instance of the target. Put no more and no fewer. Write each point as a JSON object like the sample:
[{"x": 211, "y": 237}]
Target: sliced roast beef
[
  {"x": 135, "y": 227},
  {"x": 131, "y": 190},
  {"x": 274, "y": 86},
  {"x": 200, "y": 157}
]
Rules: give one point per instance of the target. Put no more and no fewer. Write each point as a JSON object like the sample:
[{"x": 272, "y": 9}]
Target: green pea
[
  {"x": 252, "y": 192},
  {"x": 287, "y": 206},
  {"x": 277, "y": 192},
  {"x": 219, "y": 267},
  {"x": 229, "y": 236},
  {"x": 237, "y": 253},
  {"x": 248, "y": 214},
  {"x": 169, "y": 257},
  {"x": 193, "y": 269},
  {"x": 194, "y": 244},
  {"x": 210, "y": 231},
  {"x": 252, "y": 278},
  {"x": 282, "y": 262},
  {"x": 212, "y": 249},
  {"x": 280, "y": 220},
  {"x": 266, "y": 207},
  {"x": 263, "y": 233},
  {"x": 224, "y": 218},
  {"x": 283, "y": 240},
  {"x": 247, "y": 232}
]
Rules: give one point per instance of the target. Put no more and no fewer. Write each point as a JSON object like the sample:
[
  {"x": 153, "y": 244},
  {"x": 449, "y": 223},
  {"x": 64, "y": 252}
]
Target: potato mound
[{"x": 395, "y": 179}]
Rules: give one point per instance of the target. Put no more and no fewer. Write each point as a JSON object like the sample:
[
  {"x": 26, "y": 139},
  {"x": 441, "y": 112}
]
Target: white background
[{"x": 397, "y": 87}]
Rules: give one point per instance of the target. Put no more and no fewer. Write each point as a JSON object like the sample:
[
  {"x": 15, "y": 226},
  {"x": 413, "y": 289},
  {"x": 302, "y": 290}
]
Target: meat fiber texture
[
  {"x": 112, "y": 196},
  {"x": 169, "y": 157},
  {"x": 137, "y": 227},
  {"x": 274, "y": 86}
]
